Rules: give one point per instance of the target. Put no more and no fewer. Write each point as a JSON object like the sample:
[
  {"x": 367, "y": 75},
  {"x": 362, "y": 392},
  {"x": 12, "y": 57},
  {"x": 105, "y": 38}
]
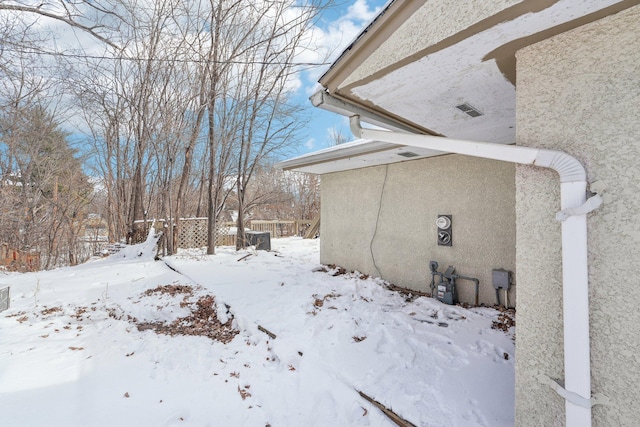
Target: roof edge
[
  {"x": 337, "y": 152},
  {"x": 392, "y": 15}
]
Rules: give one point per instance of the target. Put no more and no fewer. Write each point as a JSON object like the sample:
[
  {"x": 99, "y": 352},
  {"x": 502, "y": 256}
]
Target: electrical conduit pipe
[{"x": 575, "y": 288}]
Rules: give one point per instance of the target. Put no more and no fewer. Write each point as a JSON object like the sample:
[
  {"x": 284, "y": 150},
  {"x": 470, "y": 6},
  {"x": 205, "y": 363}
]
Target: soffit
[{"x": 354, "y": 155}]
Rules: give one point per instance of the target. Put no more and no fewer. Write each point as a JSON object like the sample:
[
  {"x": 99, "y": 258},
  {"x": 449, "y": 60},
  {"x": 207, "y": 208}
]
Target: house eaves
[
  {"x": 353, "y": 155},
  {"x": 418, "y": 71},
  {"x": 420, "y": 60}
]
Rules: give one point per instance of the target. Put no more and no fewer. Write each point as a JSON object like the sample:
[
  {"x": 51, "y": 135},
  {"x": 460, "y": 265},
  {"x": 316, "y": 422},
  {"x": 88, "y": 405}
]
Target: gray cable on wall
[{"x": 375, "y": 231}]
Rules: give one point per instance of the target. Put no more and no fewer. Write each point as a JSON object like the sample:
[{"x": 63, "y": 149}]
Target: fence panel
[
  {"x": 276, "y": 228},
  {"x": 5, "y": 298},
  {"x": 193, "y": 231}
]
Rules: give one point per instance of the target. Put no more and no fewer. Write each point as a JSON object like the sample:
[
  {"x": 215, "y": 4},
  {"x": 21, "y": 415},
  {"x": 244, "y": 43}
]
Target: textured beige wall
[
  {"x": 580, "y": 92},
  {"x": 445, "y": 18},
  {"x": 478, "y": 193}
]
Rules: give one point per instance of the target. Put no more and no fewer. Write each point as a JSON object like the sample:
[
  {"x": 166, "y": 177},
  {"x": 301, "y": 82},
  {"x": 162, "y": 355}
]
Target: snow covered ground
[{"x": 79, "y": 346}]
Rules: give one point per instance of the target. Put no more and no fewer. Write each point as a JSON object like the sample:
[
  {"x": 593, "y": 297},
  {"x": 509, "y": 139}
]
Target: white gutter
[
  {"x": 324, "y": 100},
  {"x": 573, "y": 187}
]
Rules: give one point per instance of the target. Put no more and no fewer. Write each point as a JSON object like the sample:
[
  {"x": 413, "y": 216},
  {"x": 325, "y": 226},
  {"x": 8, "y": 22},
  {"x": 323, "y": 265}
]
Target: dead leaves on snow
[
  {"x": 77, "y": 313},
  {"x": 243, "y": 392},
  {"x": 335, "y": 270},
  {"x": 22, "y": 316},
  {"x": 203, "y": 321},
  {"x": 505, "y": 321},
  {"x": 48, "y": 311},
  {"x": 80, "y": 312},
  {"x": 16, "y": 314},
  {"x": 318, "y": 302},
  {"x": 172, "y": 290}
]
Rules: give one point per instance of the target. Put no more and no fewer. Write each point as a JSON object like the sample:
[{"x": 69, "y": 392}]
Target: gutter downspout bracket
[
  {"x": 576, "y": 399},
  {"x": 590, "y": 205}
]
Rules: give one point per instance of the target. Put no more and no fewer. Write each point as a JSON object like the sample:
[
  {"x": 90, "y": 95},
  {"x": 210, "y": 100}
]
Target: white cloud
[
  {"x": 310, "y": 144},
  {"x": 326, "y": 42},
  {"x": 312, "y": 87},
  {"x": 361, "y": 11}
]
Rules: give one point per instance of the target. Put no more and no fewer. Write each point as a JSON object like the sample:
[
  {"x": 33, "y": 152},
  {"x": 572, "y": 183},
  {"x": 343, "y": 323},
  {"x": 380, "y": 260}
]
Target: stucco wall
[
  {"x": 579, "y": 92},
  {"x": 390, "y": 211}
]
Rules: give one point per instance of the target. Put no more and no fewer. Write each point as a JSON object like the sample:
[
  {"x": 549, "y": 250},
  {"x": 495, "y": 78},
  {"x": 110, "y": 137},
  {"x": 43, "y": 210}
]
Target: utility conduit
[{"x": 573, "y": 186}]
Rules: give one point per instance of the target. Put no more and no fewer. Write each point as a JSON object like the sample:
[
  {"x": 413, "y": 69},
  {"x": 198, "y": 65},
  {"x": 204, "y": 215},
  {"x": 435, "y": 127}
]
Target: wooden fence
[
  {"x": 281, "y": 228},
  {"x": 193, "y": 231}
]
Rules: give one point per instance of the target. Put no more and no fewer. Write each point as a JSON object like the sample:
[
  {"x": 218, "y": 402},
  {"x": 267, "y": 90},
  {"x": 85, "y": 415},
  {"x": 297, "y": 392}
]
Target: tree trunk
[
  {"x": 136, "y": 222},
  {"x": 241, "y": 237}
]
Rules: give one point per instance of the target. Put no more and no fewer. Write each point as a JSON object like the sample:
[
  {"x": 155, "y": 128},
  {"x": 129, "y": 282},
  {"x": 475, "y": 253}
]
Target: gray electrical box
[
  {"x": 501, "y": 278},
  {"x": 447, "y": 287},
  {"x": 260, "y": 239},
  {"x": 5, "y": 299}
]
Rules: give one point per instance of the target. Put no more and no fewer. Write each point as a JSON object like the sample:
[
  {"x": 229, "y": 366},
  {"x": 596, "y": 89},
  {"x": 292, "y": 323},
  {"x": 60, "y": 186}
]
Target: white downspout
[{"x": 573, "y": 186}]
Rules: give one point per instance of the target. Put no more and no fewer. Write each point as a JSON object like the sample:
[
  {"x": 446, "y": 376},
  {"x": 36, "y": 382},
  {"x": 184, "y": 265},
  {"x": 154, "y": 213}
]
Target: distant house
[{"x": 554, "y": 88}]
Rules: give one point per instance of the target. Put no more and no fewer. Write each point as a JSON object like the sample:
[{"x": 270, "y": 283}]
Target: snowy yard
[{"x": 100, "y": 345}]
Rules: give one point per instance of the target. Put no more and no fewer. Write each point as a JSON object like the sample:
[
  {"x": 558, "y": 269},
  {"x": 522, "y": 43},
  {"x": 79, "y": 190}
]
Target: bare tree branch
[{"x": 69, "y": 18}]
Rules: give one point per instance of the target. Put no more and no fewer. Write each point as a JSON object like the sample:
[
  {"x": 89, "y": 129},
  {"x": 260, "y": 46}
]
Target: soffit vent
[
  {"x": 469, "y": 110},
  {"x": 408, "y": 154}
]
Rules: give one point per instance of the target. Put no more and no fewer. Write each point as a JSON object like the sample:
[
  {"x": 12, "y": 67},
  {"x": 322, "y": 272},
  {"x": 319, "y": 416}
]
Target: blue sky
[{"x": 336, "y": 28}]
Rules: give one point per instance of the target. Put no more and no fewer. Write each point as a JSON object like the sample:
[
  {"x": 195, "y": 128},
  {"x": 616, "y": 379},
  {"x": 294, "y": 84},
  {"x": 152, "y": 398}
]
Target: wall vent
[
  {"x": 408, "y": 154},
  {"x": 469, "y": 110}
]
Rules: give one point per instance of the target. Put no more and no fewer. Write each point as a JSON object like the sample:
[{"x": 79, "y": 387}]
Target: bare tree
[
  {"x": 144, "y": 104},
  {"x": 187, "y": 101},
  {"x": 278, "y": 194},
  {"x": 270, "y": 120},
  {"x": 48, "y": 181},
  {"x": 89, "y": 16},
  {"x": 336, "y": 136},
  {"x": 99, "y": 92}
]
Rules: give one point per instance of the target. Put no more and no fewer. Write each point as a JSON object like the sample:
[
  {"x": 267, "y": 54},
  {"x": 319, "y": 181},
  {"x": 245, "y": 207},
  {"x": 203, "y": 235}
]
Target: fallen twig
[
  {"x": 388, "y": 412},
  {"x": 406, "y": 291},
  {"x": 245, "y": 257},
  {"x": 271, "y": 334},
  {"x": 441, "y": 324}
]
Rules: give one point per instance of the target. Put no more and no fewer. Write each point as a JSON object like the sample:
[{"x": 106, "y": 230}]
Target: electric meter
[{"x": 444, "y": 230}]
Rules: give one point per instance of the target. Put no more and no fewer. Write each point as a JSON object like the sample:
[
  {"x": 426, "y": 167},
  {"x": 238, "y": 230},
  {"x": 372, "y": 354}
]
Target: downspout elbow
[
  {"x": 354, "y": 125},
  {"x": 573, "y": 179},
  {"x": 568, "y": 167}
]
